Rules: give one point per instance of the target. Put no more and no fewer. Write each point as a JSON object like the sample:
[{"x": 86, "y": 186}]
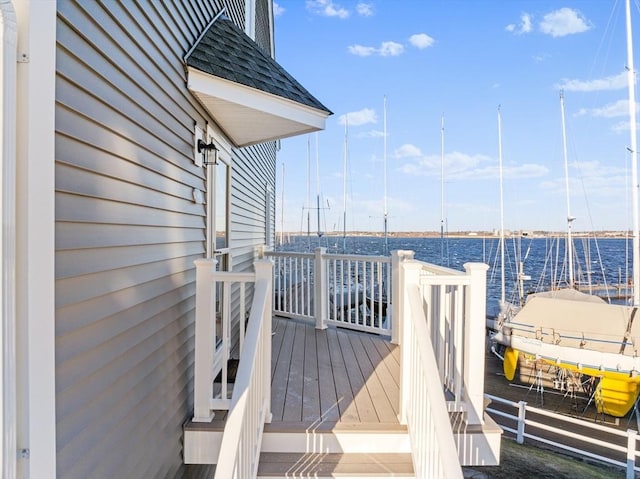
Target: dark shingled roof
[{"x": 227, "y": 52}]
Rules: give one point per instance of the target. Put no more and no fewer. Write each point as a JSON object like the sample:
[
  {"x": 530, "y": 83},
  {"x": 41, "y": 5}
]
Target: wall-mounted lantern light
[{"x": 205, "y": 149}]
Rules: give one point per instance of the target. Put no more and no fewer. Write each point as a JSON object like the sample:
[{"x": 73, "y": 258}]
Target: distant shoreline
[{"x": 467, "y": 234}]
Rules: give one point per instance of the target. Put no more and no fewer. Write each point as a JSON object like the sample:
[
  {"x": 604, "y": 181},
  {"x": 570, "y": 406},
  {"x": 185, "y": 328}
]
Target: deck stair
[
  {"x": 335, "y": 449},
  {"x": 360, "y": 465},
  {"x": 322, "y": 399}
]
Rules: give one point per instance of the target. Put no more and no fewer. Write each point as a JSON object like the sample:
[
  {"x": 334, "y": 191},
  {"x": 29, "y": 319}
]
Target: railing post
[
  {"x": 409, "y": 275},
  {"x": 264, "y": 271},
  {"x": 397, "y": 287},
  {"x": 522, "y": 411},
  {"x": 320, "y": 283},
  {"x": 632, "y": 437},
  {"x": 474, "y": 347},
  {"x": 205, "y": 339}
]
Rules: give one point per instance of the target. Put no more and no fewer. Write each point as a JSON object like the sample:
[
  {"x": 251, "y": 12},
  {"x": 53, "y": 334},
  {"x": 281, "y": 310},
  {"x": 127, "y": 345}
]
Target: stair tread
[
  {"x": 336, "y": 426},
  {"x": 335, "y": 464}
]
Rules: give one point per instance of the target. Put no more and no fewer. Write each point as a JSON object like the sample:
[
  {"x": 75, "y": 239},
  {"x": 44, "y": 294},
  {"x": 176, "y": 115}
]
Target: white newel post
[
  {"x": 205, "y": 339},
  {"x": 264, "y": 271},
  {"x": 409, "y": 275},
  {"x": 474, "y": 340},
  {"x": 397, "y": 287},
  {"x": 320, "y": 284}
]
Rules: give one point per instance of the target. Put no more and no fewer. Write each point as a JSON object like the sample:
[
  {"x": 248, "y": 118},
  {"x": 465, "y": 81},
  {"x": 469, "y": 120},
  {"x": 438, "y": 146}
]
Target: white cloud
[
  {"x": 371, "y": 134},
  {"x": 278, "y": 9},
  {"x": 462, "y": 166},
  {"x": 391, "y": 49},
  {"x": 523, "y": 27},
  {"x": 387, "y": 49},
  {"x": 421, "y": 40},
  {"x": 364, "y": 9},
  {"x": 361, "y": 50},
  {"x": 360, "y": 117},
  {"x": 614, "y": 82},
  {"x": 407, "y": 151},
  {"x": 565, "y": 21},
  {"x": 541, "y": 57},
  {"x": 598, "y": 179},
  {"x": 623, "y": 127},
  {"x": 612, "y": 110},
  {"x": 327, "y": 8}
]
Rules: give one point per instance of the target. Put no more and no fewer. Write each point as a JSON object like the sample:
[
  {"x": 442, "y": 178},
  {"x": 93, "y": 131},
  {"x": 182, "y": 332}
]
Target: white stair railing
[
  {"x": 423, "y": 408},
  {"x": 454, "y": 304},
  {"x": 251, "y": 399},
  {"x": 440, "y": 319}
]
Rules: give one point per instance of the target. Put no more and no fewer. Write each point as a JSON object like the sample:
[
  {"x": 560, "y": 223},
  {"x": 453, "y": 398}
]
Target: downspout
[{"x": 8, "y": 83}]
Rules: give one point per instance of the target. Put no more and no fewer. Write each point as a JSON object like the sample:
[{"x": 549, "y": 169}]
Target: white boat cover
[
  {"x": 572, "y": 319},
  {"x": 568, "y": 294}
]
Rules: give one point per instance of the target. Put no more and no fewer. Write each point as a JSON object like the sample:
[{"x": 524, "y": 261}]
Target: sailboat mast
[
  {"x": 566, "y": 181},
  {"x": 502, "y": 280},
  {"x": 309, "y": 192},
  {"x": 386, "y": 244},
  {"x": 634, "y": 157},
  {"x": 282, "y": 209},
  {"x": 442, "y": 191},
  {"x": 318, "y": 188},
  {"x": 344, "y": 185}
]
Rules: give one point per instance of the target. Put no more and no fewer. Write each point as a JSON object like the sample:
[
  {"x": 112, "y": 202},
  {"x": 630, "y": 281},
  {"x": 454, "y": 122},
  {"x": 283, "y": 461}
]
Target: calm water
[{"x": 597, "y": 262}]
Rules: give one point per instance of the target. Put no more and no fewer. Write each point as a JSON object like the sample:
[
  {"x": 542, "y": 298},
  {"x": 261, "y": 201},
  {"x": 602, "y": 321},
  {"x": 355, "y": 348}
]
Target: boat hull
[{"x": 615, "y": 393}]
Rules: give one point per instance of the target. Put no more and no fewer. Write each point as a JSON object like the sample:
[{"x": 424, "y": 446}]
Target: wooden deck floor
[{"x": 332, "y": 375}]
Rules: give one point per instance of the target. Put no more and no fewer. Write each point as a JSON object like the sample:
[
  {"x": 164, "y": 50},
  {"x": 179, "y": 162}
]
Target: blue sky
[{"x": 461, "y": 60}]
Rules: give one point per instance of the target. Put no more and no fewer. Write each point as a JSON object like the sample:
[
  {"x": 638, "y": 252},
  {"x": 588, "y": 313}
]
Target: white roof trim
[{"x": 248, "y": 115}]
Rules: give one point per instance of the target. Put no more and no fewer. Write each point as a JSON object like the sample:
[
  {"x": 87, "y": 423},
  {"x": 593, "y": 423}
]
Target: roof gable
[{"x": 238, "y": 82}]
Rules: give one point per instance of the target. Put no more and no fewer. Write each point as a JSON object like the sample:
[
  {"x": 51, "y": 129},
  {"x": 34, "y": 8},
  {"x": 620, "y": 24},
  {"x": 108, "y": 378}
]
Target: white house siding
[{"x": 128, "y": 231}]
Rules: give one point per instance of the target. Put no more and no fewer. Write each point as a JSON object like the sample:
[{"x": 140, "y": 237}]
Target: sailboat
[
  {"x": 377, "y": 297},
  {"x": 344, "y": 292},
  {"x": 507, "y": 309},
  {"x": 580, "y": 333}
]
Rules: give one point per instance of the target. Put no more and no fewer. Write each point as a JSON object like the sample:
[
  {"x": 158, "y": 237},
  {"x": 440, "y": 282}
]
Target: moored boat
[{"x": 578, "y": 332}]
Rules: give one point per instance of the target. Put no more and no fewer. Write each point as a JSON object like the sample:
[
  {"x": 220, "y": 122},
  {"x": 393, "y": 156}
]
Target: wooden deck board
[
  {"x": 295, "y": 383},
  {"x": 384, "y": 367},
  {"x": 382, "y": 404},
  {"x": 311, "y": 391},
  {"x": 332, "y": 375},
  {"x": 346, "y": 405},
  {"x": 361, "y": 396},
  {"x": 276, "y": 342},
  {"x": 281, "y": 373}
]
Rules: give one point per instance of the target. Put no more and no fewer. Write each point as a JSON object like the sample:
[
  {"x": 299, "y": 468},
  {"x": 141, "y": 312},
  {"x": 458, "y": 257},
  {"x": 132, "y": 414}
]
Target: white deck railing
[
  {"x": 607, "y": 440},
  {"x": 213, "y": 333},
  {"x": 351, "y": 291},
  {"x": 440, "y": 312},
  {"x": 437, "y": 315},
  {"x": 251, "y": 399}
]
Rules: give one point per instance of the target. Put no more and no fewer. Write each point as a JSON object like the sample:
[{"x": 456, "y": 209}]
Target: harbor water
[{"x": 601, "y": 265}]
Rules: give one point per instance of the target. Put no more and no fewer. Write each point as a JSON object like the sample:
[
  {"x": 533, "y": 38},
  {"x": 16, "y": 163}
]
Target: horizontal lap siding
[
  {"x": 128, "y": 231},
  {"x": 249, "y": 183}
]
